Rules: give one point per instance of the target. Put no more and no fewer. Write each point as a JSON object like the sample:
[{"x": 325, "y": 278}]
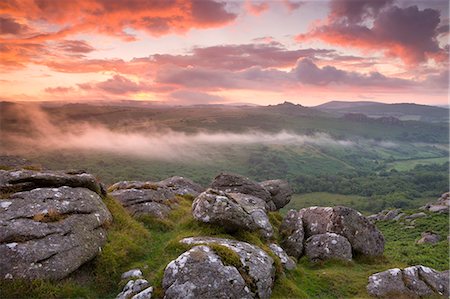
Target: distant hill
[{"x": 402, "y": 111}]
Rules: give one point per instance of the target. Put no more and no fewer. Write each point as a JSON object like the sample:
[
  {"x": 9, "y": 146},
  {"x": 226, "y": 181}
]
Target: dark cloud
[
  {"x": 59, "y": 89},
  {"x": 309, "y": 73},
  {"x": 75, "y": 46},
  {"x": 10, "y": 26},
  {"x": 408, "y": 33}
]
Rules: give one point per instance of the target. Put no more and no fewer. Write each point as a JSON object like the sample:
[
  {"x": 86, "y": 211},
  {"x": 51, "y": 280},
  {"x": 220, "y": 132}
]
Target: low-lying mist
[{"x": 156, "y": 144}]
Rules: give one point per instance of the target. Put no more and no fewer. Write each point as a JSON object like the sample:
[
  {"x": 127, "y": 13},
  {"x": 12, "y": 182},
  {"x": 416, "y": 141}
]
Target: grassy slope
[{"x": 151, "y": 244}]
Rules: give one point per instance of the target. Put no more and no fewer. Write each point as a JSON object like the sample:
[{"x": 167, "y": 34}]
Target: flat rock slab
[
  {"x": 25, "y": 180},
  {"x": 47, "y": 233}
]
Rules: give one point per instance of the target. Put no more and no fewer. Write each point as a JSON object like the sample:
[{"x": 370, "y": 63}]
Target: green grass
[
  {"x": 151, "y": 244},
  {"x": 404, "y": 165},
  {"x": 325, "y": 199}
]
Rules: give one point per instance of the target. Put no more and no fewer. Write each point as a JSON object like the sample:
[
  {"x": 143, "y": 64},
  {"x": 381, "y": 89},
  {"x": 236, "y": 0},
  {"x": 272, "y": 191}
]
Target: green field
[{"x": 411, "y": 163}]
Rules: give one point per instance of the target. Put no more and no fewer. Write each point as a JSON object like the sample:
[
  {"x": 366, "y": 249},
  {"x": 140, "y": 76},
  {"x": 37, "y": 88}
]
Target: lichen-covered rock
[
  {"x": 258, "y": 268},
  {"x": 47, "y": 233},
  {"x": 287, "y": 262},
  {"x": 388, "y": 284},
  {"x": 280, "y": 192},
  {"x": 328, "y": 246},
  {"x": 362, "y": 234},
  {"x": 429, "y": 238},
  {"x": 25, "y": 180},
  {"x": 233, "y": 211},
  {"x": 134, "y": 288},
  {"x": 292, "y": 234},
  {"x": 200, "y": 273},
  {"x": 411, "y": 282}
]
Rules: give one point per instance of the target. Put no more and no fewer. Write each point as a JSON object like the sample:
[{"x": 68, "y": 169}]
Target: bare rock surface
[
  {"x": 233, "y": 211},
  {"x": 257, "y": 270},
  {"x": 411, "y": 282},
  {"x": 48, "y": 231},
  {"x": 328, "y": 246}
]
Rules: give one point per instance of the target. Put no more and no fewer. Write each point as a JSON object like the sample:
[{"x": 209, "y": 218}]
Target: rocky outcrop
[
  {"x": 177, "y": 184},
  {"x": 429, "y": 237},
  {"x": 203, "y": 273},
  {"x": 49, "y": 229},
  {"x": 276, "y": 193},
  {"x": 411, "y": 282},
  {"x": 386, "y": 215},
  {"x": 292, "y": 234},
  {"x": 363, "y": 236},
  {"x": 153, "y": 198},
  {"x": 442, "y": 205},
  {"x": 328, "y": 246},
  {"x": 233, "y": 211}
]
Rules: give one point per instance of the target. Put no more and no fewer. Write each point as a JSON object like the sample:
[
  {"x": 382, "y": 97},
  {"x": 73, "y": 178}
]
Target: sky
[{"x": 183, "y": 52}]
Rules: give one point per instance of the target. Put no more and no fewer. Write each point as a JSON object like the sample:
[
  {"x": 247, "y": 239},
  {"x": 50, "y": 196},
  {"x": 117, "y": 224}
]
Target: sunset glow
[{"x": 185, "y": 52}]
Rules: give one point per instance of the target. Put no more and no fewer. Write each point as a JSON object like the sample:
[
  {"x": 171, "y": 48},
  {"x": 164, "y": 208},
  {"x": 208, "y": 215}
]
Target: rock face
[
  {"x": 328, "y": 246},
  {"x": 429, "y": 237},
  {"x": 152, "y": 198},
  {"x": 363, "y": 236},
  {"x": 275, "y": 193},
  {"x": 51, "y": 229},
  {"x": 411, "y": 282},
  {"x": 233, "y": 211},
  {"x": 201, "y": 273},
  {"x": 292, "y": 234}
]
